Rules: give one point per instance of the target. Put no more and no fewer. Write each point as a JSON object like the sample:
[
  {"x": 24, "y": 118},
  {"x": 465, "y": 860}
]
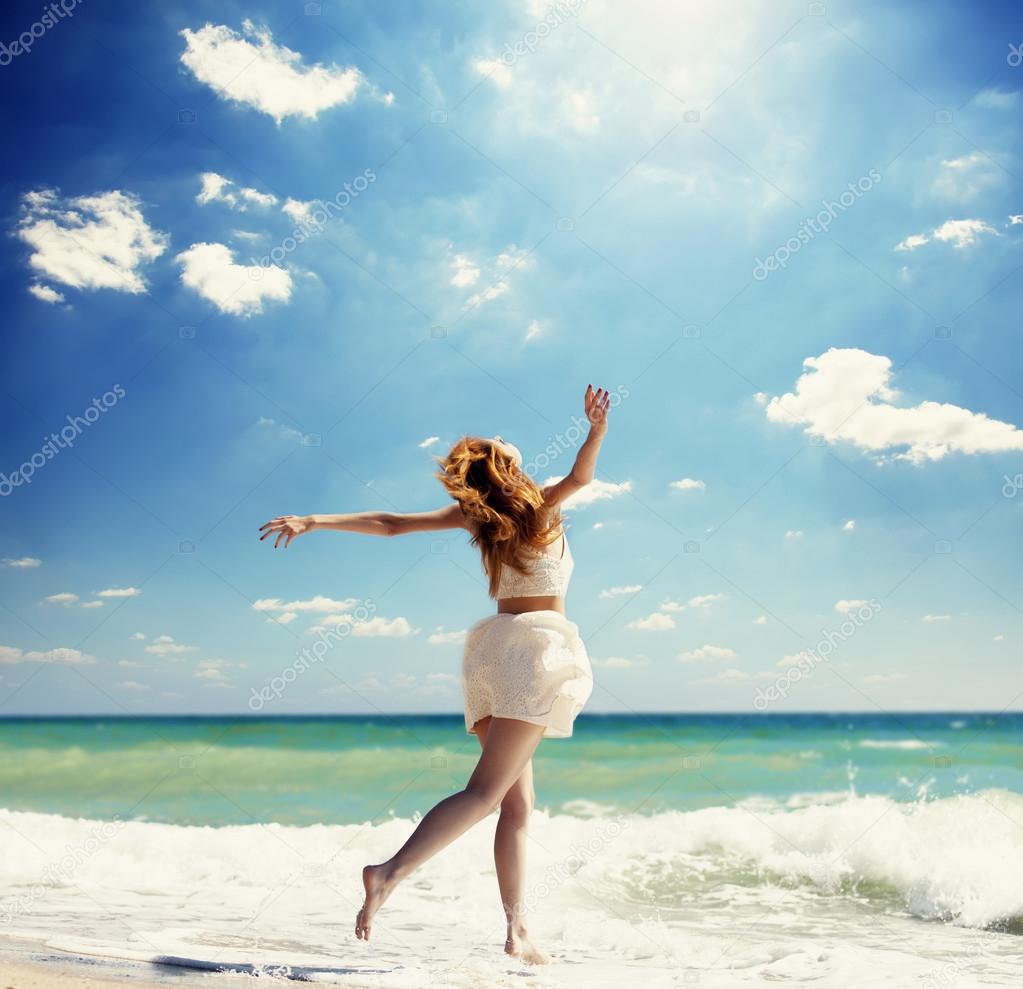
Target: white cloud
[
  {"x": 849, "y": 526},
  {"x": 495, "y": 70},
  {"x": 133, "y": 685},
  {"x": 491, "y": 292},
  {"x": 250, "y": 69},
  {"x": 164, "y": 645},
  {"x": 959, "y": 233},
  {"x": 285, "y": 619},
  {"x": 89, "y": 242},
  {"x": 999, "y": 638},
  {"x": 844, "y": 606},
  {"x": 615, "y": 663},
  {"x": 668, "y": 605},
  {"x": 139, "y": 636},
  {"x": 613, "y": 592},
  {"x": 442, "y": 638},
  {"x": 996, "y": 99},
  {"x": 65, "y": 597},
  {"x": 46, "y": 294},
  {"x": 389, "y": 627},
  {"x": 657, "y": 622},
  {"x": 92, "y": 604},
  {"x": 707, "y": 652},
  {"x": 119, "y": 592},
  {"x": 210, "y": 270},
  {"x": 912, "y": 242},
  {"x": 884, "y": 678},
  {"x": 705, "y": 600},
  {"x": 846, "y": 395},
  {"x": 965, "y": 177},
  {"x": 595, "y": 491},
  {"x": 218, "y": 189},
  {"x": 760, "y": 620},
  {"x": 794, "y": 659},
  {"x": 580, "y": 111},
  {"x": 936, "y": 618},
  {"x": 689, "y": 484},
  {"x": 22, "y": 563},
  {"x": 428, "y": 442},
  {"x": 963, "y": 233},
  {"x": 61, "y": 656},
  {"x": 794, "y": 535},
  {"x": 318, "y": 604},
  {"x": 466, "y": 272},
  {"x": 535, "y": 328}
]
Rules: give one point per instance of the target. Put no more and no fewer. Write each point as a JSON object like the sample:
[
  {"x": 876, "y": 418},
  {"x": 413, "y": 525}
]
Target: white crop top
[{"x": 550, "y": 575}]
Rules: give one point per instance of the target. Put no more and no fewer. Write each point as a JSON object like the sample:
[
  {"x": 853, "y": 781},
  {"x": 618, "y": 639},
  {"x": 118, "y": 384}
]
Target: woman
[{"x": 525, "y": 671}]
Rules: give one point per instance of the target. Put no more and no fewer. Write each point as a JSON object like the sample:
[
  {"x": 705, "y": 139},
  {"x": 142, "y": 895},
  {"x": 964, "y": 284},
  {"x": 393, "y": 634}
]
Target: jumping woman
[{"x": 525, "y": 671}]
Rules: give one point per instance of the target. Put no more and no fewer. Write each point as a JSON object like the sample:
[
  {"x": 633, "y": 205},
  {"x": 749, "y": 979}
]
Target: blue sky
[{"x": 788, "y": 236}]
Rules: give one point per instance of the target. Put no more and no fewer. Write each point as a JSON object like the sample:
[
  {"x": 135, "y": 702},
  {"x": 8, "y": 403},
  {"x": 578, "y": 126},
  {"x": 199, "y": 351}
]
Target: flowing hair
[{"x": 505, "y": 503}]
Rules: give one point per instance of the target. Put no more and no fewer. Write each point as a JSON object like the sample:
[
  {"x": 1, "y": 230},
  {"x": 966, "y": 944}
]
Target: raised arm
[
  {"x": 287, "y": 527},
  {"x": 596, "y": 403}
]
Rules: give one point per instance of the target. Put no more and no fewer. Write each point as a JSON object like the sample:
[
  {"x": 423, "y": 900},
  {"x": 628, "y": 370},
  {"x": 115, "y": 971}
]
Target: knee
[
  {"x": 517, "y": 805},
  {"x": 488, "y": 798}
]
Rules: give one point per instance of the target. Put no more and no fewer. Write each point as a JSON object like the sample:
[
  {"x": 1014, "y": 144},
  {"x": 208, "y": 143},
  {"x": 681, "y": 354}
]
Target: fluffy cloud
[
  {"x": 465, "y": 273},
  {"x": 936, "y": 618},
  {"x": 88, "y": 242},
  {"x": 65, "y": 597},
  {"x": 46, "y": 294},
  {"x": 61, "y": 656},
  {"x": 657, "y": 622},
  {"x": 249, "y": 68},
  {"x": 705, "y": 600},
  {"x": 845, "y": 607},
  {"x": 495, "y": 70},
  {"x": 707, "y": 652},
  {"x": 318, "y": 604},
  {"x": 595, "y": 491},
  {"x": 689, "y": 484},
  {"x": 613, "y": 592},
  {"x": 389, "y": 627},
  {"x": 428, "y": 442},
  {"x": 119, "y": 592},
  {"x": 164, "y": 645},
  {"x": 959, "y": 233},
  {"x": 442, "y": 638},
  {"x": 846, "y": 395},
  {"x": 210, "y": 270},
  {"x": 218, "y": 189},
  {"x": 22, "y": 563}
]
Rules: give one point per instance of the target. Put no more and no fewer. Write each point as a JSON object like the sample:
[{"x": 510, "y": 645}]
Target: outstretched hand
[
  {"x": 597, "y": 403},
  {"x": 287, "y": 528}
]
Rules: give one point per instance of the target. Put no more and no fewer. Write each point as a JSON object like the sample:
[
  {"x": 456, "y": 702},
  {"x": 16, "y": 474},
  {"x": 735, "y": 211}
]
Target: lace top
[{"x": 550, "y": 575}]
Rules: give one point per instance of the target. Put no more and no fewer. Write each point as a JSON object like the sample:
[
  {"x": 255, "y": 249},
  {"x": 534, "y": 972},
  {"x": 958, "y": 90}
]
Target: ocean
[{"x": 665, "y": 849}]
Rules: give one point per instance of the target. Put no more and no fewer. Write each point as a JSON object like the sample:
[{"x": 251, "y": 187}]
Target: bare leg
[
  {"x": 510, "y": 859},
  {"x": 509, "y": 747}
]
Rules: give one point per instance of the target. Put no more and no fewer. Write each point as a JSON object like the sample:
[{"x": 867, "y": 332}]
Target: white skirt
[{"x": 532, "y": 667}]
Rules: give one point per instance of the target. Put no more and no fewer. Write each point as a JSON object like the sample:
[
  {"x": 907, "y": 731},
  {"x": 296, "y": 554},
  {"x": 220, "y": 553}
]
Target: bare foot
[
  {"x": 378, "y": 887},
  {"x": 519, "y": 945}
]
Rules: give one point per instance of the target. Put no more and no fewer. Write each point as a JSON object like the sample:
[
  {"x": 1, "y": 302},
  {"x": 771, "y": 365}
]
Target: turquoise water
[{"x": 344, "y": 770}]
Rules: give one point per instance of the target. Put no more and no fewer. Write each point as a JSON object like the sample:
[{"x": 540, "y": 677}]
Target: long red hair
[{"x": 505, "y": 504}]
